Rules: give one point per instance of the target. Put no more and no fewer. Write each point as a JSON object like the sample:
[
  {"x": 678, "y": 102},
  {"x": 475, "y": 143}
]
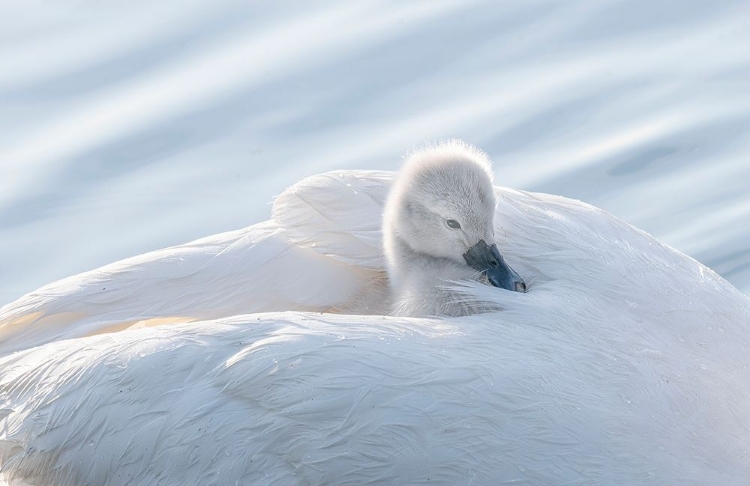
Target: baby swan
[{"x": 437, "y": 229}]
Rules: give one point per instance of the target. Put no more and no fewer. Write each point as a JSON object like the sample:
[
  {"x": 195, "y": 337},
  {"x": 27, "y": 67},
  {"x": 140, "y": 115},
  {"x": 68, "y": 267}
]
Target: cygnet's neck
[{"x": 420, "y": 282}]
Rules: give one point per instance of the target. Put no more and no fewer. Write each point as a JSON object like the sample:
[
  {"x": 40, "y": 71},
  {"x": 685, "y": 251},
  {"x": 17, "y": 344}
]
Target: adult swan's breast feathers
[{"x": 624, "y": 362}]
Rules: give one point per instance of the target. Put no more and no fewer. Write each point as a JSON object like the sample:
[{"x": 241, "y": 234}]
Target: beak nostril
[{"x": 493, "y": 263}]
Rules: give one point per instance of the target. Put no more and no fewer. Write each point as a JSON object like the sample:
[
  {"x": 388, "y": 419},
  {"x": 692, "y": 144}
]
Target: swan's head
[{"x": 442, "y": 205}]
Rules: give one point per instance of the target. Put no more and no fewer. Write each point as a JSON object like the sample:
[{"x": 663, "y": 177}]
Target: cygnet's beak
[{"x": 487, "y": 259}]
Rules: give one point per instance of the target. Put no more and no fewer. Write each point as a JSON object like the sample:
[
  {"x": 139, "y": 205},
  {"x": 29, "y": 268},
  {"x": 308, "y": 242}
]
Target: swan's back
[{"x": 625, "y": 363}]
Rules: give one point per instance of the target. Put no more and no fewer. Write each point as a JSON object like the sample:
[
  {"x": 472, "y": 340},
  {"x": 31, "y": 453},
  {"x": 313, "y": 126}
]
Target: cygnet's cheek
[
  {"x": 489, "y": 236},
  {"x": 459, "y": 250}
]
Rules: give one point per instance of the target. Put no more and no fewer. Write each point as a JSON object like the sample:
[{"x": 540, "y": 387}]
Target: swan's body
[
  {"x": 438, "y": 216},
  {"x": 625, "y": 363}
]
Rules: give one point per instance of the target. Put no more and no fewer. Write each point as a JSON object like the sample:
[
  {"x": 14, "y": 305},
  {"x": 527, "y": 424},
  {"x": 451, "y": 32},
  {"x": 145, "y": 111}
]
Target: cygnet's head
[{"x": 442, "y": 205}]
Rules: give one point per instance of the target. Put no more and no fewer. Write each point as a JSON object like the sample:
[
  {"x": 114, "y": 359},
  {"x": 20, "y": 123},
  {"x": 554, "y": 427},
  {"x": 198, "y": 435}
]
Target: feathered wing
[
  {"x": 320, "y": 252},
  {"x": 338, "y": 214}
]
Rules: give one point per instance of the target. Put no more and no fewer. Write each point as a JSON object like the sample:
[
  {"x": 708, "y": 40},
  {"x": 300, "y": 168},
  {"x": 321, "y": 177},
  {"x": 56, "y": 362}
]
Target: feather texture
[{"x": 624, "y": 363}]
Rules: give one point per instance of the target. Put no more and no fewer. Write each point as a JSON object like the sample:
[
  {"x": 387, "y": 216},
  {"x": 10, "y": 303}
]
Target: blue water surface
[{"x": 129, "y": 126}]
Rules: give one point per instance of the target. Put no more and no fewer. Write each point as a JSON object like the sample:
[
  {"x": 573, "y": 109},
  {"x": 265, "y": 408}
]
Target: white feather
[{"x": 625, "y": 362}]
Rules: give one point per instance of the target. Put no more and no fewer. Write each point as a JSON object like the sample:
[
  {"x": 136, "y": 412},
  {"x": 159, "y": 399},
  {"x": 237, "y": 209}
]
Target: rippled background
[{"x": 129, "y": 126}]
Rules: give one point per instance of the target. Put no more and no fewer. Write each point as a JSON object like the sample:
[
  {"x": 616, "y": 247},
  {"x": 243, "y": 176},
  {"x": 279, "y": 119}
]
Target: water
[{"x": 130, "y": 126}]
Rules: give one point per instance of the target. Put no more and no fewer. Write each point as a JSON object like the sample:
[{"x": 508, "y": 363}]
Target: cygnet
[{"x": 438, "y": 230}]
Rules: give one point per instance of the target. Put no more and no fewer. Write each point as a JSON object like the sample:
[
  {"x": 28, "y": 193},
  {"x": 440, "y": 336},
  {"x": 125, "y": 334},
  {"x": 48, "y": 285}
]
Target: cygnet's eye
[{"x": 452, "y": 223}]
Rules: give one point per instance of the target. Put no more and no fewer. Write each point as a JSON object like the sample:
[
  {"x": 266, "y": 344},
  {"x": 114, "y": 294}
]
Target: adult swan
[{"x": 623, "y": 362}]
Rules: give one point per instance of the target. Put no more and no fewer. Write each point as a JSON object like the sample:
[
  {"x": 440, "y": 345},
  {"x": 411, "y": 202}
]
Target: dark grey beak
[{"x": 487, "y": 259}]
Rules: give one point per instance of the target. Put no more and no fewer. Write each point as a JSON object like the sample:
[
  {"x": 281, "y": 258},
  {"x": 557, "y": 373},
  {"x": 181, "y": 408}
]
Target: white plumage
[{"x": 624, "y": 363}]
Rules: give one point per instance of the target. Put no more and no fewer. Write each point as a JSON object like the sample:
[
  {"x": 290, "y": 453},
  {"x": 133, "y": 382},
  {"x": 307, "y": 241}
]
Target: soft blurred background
[{"x": 129, "y": 126}]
